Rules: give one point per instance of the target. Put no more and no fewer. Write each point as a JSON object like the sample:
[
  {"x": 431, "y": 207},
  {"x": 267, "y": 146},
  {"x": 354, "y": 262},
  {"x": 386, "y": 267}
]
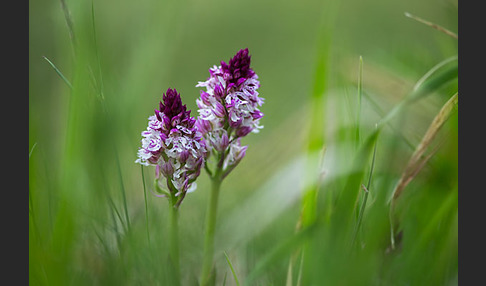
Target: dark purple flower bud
[
  {"x": 153, "y": 160},
  {"x": 219, "y": 110},
  {"x": 184, "y": 156},
  {"x": 235, "y": 124},
  {"x": 241, "y": 153},
  {"x": 240, "y": 81},
  {"x": 257, "y": 115},
  {"x": 158, "y": 115},
  {"x": 176, "y": 120},
  {"x": 163, "y": 137},
  {"x": 231, "y": 85},
  {"x": 224, "y": 141},
  {"x": 205, "y": 97},
  {"x": 238, "y": 67},
  {"x": 218, "y": 91},
  {"x": 166, "y": 169},
  {"x": 243, "y": 131},
  {"x": 203, "y": 126},
  {"x": 172, "y": 104}
]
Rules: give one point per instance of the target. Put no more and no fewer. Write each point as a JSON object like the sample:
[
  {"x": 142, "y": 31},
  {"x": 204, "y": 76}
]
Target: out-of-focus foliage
[{"x": 87, "y": 223}]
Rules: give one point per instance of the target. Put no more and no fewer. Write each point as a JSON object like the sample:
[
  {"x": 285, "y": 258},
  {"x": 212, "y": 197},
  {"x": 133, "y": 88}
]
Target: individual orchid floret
[
  {"x": 228, "y": 108},
  {"x": 174, "y": 145}
]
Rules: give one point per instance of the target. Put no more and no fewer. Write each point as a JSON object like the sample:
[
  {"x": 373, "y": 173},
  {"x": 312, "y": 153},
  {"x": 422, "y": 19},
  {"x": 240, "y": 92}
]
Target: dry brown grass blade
[
  {"x": 435, "y": 26},
  {"x": 418, "y": 160}
]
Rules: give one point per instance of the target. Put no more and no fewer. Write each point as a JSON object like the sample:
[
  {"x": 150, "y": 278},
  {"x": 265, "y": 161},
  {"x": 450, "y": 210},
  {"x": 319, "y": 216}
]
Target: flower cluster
[
  {"x": 173, "y": 144},
  {"x": 228, "y": 108}
]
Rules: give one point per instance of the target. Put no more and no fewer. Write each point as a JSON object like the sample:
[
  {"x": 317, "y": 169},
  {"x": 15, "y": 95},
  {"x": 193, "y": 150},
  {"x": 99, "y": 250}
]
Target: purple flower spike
[
  {"x": 228, "y": 108},
  {"x": 173, "y": 144}
]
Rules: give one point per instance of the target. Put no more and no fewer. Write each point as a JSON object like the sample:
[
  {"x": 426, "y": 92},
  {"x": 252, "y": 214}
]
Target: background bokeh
[{"x": 85, "y": 187}]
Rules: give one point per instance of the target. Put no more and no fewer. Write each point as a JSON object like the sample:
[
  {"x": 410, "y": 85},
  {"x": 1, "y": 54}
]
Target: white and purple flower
[
  {"x": 228, "y": 108},
  {"x": 173, "y": 144}
]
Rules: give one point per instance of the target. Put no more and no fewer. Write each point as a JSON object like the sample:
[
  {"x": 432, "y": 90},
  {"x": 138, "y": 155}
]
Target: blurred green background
[{"x": 87, "y": 222}]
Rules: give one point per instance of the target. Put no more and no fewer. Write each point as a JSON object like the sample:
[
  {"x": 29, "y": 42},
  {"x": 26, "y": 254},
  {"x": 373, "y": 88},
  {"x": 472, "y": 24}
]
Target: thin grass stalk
[
  {"x": 125, "y": 207},
  {"x": 146, "y": 206},
  {"x": 433, "y": 25},
  {"x": 232, "y": 269},
  {"x": 360, "y": 96},
  {"x": 365, "y": 198},
  {"x": 32, "y": 149},
  {"x": 299, "y": 276},
  {"x": 69, "y": 23},
  {"x": 100, "y": 91},
  {"x": 59, "y": 73}
]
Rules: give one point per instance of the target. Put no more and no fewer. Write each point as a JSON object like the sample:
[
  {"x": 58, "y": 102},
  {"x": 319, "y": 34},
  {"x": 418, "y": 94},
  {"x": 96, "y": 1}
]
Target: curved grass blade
[
  {"x": 417, "y": 161},
  {"x": 232, "y": 269},
  {"x": 432, "y": 71},
  {"x": 433, "y": 81}
]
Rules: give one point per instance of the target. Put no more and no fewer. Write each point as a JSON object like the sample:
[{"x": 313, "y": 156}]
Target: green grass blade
[
  {"x": 146, "y": 206},
  {"x": 432, "y": 71},
  {"x": 115, "y": 210},
  {"x": 58, "y": 72},
  {"x": 101, "y": 87},
  {"x": 363, "y": 205},
  {"x": 316, "y": 135},
  {"x": 432, "y": 82},
  {"x": 279, "y": 251},
  {"x": 232, "y": 269},
  {"x": 345, "y": 205},
  {"x": 122, "y": 188},
  {"x": 360, "y": 95},
  {"x": 69, "y": 21},
  {"x": 32, "y": 149}
]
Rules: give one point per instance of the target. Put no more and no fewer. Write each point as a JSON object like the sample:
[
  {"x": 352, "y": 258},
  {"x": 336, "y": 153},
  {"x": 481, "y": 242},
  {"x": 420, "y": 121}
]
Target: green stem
[
  {"x": 211, "y": 215},
  {"x": 174, "y": 241},
  {"x": 174, "y": 233}
]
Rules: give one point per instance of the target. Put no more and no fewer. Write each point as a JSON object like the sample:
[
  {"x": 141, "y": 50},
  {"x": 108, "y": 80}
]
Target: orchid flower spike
[
  {"x": 173, "y": 144},
  {"x": 228, "y": 109}
]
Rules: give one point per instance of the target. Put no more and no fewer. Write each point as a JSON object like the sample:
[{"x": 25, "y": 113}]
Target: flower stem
[
  {"x": 174, "y": 233},
  {"x": 174, "y": 241},
  {"x": 211, "y": 215}
]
